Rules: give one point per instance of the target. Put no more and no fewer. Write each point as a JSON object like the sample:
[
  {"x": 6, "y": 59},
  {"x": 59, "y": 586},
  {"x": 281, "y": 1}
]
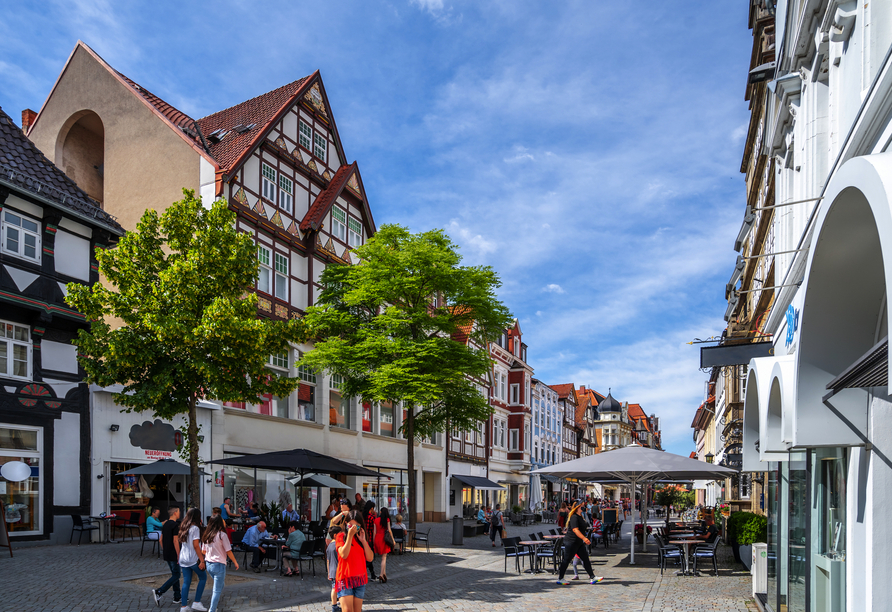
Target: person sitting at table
[
  {"x": 154, "y": 525},
  {"x": 226, "y": 509},
  {"x": 253, "y": 511},
  {"x": 251, "y": 542},
  {"x": 288, "y": 514},
  {"x": 712, "y": 532},
  {"x": 292, "y": 549},
  {"x": 481, "y": 515}
]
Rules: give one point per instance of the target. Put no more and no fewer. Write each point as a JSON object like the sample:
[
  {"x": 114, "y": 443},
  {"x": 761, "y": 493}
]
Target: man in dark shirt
[
  {"x": 169, "y": 531},
  {"x": 712, "y": 532}
]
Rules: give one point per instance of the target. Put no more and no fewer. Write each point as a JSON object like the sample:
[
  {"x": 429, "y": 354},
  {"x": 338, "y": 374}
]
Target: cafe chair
[
  {"x": 514, "y": 549},
  {"x": 422, "y": 537},
  {"x": 552, "y": 553},
  {"x": 156, "y": 541},
  {"x": 399, "y": 537},
  {"x": 129, "y": 523},
  {"x": 318, "y": 552},
  {"x": 80, "y": 524},
  {"x": 666, "y": 551},
  {"x": 706, "y": 551},
  {"x": 237, "y": 537},
  {"x": 553, "y": 532},
  {"x": 305, "y": 554}
]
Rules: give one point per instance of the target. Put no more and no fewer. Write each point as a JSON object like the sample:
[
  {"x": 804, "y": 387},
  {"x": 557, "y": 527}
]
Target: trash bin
[{"x": 458, "y": 531}]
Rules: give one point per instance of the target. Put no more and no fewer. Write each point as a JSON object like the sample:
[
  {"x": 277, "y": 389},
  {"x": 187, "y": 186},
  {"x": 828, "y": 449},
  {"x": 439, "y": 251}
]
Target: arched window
[{"x": 80, "y": 152}]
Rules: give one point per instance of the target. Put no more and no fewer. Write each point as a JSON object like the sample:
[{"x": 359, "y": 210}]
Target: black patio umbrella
[{"x": 299, "y": 460}]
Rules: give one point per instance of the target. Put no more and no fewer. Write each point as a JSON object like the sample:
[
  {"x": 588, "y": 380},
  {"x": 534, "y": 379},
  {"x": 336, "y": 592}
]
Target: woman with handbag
[{"x": 384, "y": 543}]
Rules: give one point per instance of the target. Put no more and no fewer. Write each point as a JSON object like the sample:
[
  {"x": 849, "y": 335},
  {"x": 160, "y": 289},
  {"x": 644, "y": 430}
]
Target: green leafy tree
[
  {"x": 173, "y": 321},
  {"x": 388, "y": 326}
]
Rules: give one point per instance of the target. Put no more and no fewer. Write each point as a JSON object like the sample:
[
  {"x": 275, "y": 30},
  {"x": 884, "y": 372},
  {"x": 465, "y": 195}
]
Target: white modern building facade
[{"x": 816, "y": 412}]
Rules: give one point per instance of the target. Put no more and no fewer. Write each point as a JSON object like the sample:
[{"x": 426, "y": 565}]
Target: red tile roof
[
  {"x": 177, "y": 117},
  {"x": 637, "y": 412},
  {"x": 463, "y": 330},
  {"x": 259, "y": 111},
  {"x": 325, "y": 199},
  {"x": 563, "y": 390}
]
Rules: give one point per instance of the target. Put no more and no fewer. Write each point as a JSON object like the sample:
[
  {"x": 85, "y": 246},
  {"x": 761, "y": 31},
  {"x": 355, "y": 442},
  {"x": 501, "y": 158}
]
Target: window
[
  {"x": 306, "y": 136},
  {"x": 338, "y": 406},
  {"x": 339, "y": 223},
  {"x": 469, "y": 437},
  {"x": 281, "y": 277},
  {"x": 480, "y": 434},
  {"x": 319, "y": 146},
  {"x": 15, "y": 350},
  {"x": 279, "y": 360},
  {"x": 513, "y": 439},
  {"x": 21, "y": 236},
  {"x": 367, "y": 416},
  {"x": 265, "y": 273},
  {"x": 286, "y": 199},
  {"x": 385, "y": 412},
  {"x": 306, "y": 394},
  {"x": 355, "y": 232},
  {"x": 269, "y": 183},
  {"x": 515, "y": 393},
  {"x": 502, "y": 383},
  {"x": 24, "y": 514},
  {"x": 526, "y": 396}
]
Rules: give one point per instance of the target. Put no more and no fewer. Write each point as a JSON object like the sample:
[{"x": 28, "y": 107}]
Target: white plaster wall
[
  {"x": 206, "y": 182},
  {"x": 877, "y": 536},
  {"x": 72, "y": 256},
  {"x": 66, "y": 466},
  {"x": 58, "y": 357},
  {"x": 76, "y": 228}
]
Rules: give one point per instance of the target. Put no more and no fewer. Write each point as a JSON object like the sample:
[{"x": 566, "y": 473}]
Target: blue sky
[{"x": 588, "y": 151}]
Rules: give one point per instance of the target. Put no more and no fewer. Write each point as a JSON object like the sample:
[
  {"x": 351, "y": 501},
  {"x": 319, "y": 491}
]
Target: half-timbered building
[
  {"x": 50, "y": 231},
  {"x": 278, "y": 160}
]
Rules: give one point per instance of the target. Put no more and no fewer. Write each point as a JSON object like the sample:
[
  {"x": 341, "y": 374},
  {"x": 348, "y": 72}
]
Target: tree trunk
[
  {"x": 410, "y": 465},
  {"x": 194, "y": 480}
]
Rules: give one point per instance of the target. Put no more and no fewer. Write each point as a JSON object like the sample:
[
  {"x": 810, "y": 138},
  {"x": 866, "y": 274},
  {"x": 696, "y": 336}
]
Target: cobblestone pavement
[{"x": 113, "y": 577}]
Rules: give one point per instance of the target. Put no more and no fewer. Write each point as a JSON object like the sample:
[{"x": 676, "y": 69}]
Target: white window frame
[
  {"x": 42, "y": 467},
  {"x": 9, "y": 340},
  {"x": 280, "y": 280},
  {"x": 264, "y": 269},
  {"x": 354, "y": 232},
  {"x": 286, "y": 193},
  {"x": 8, "y": 225},
  {"x": 269, "y": 181},
  {"x": 514, "y": 439},
  {"x": 305, "y": 135},
  {"x": 320, "y": 146},
  {"x": 515, "y": 393},
  {"x": 279, "y": 361},
  {"x": 339, "y": 223}
]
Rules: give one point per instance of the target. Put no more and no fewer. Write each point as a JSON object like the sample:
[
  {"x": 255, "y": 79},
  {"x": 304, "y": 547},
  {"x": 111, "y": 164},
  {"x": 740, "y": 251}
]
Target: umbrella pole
[
  {"x": 634, "y": 486},
  {"x": 641, "y": 508}
]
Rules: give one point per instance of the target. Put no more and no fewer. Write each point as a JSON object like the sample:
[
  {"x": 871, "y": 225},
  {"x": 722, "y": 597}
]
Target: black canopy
[
  {"x": 478, "y": 482},
  {"x": 299, "y": 460},
  {"x": 166, "y": 467}
]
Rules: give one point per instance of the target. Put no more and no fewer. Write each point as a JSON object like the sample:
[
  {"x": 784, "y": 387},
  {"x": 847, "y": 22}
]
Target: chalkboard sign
[
  {"x": 608, "y": 515},
  {"x": 4, "y": 535}
]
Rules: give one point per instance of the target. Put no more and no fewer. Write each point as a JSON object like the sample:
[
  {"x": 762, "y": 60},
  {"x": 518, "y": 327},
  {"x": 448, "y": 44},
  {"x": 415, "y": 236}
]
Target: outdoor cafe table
[
  {"x": 552, "y": 537},
  {"x": 106, "y": 528},
  {"x": 276, "y": 545},
  {"x": 684, "y": 542},
  {"x": 533, "y": 545}
]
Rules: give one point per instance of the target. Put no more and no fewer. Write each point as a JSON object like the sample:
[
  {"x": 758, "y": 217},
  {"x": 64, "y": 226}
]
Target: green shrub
[
  {"x": 755, "y": 529},
  {"x": 734, "y": 523}
]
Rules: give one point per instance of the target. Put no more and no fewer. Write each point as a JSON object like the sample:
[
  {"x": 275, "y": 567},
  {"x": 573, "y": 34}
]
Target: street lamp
[{"x": 709, "y": 457}]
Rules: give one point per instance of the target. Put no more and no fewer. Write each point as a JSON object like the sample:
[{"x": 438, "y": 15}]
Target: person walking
[
  {"x": 495, "y": 524},
  {"x": 383, "y": 541},
  {"x": 169, "y": 553},
  {"x": 369, "y": 515},
  {"x": 353, "y": 553},
  {"x": 331, "y": 562},
  {"x": 191, "y": 557},
  {"x": 562, "y": 516},
  {"x": 575, "y": 542},
  {"x": 217, "y": 549}
]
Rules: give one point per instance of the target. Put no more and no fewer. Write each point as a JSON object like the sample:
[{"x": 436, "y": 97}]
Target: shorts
[{"x": 358, "y": 592}]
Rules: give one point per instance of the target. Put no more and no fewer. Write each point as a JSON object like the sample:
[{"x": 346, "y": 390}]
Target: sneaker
[
  {"x": 198, "y": 607},
  {"x": 177, "y": 601},
  {"x": 157, "y": 597},
  {"x": 596, "y": 579},
  {"x": 563, "y": 582},
  {"x": 185, "y": 609}
]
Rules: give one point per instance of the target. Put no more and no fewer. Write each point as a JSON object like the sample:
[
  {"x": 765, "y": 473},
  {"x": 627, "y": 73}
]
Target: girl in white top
[
  {"x": 216, "y": 547},
  {"x": 191, "y": 558}
]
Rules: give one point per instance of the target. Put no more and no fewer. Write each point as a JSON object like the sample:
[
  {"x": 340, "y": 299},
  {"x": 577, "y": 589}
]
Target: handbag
[
  {"x": 388, "y": 540},
  {"x": 504, "y": 532}
]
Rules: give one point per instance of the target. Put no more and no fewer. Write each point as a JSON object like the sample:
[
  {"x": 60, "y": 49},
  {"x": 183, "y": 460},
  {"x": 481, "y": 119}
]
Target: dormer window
[{"x": 21, "y": 236}]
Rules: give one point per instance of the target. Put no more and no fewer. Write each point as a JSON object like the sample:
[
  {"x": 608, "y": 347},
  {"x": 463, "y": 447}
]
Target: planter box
[{"x": 746, "y": 555}]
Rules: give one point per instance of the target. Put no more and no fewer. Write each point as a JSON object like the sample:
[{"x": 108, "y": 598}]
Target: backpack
[{"x": 496, "y": 518}]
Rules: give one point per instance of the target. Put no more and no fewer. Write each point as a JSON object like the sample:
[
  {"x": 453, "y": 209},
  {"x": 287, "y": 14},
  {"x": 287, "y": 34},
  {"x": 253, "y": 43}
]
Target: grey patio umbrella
[
  {"x": 636, "y": 465},
  {"x": 162, "y": 467}
]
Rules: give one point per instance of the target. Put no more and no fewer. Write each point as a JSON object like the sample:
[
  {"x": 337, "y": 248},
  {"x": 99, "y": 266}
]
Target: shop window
[
  {"x": 21, "y": 236},
  {"x": 15, "y": 350},
  {"x": 385, "y": 416},
  {"x": 23, "y": 499},
  {"x": 338, "y": 406},
  {"x": 367, "y": 416}
]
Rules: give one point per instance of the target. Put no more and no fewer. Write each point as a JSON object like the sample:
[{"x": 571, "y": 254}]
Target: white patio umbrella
[
  {"x": 535, "y": 492},
  {"x": 636, "y": 465}
]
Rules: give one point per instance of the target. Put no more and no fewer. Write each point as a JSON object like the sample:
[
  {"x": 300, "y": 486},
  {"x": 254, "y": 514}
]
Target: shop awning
[
  {"x": 871, "y": 370},
  {"x": 550, "y": 478},
  {"x": 478, "y": 482}
]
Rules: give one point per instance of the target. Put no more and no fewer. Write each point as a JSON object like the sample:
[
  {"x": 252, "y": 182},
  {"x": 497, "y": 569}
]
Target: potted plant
[
  {"x": 640, "y": 533},
  {"x": 754, "y": 529}
]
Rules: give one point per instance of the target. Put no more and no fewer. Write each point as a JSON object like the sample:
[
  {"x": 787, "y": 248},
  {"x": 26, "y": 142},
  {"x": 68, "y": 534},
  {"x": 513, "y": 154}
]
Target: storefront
[
  {"x": 21, "y": 499},
  {"x": 390, "y": 491}
]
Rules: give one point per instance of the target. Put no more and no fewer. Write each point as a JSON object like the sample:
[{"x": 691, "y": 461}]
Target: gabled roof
[
  {"x": 326, "y": 199},
  {"x": 637, "y": 413},
  {"x": 582, "y": 403},
  {"x": 261, "y": 112},
  {"x": 25, "y": 166},
  {"x": 174, "y": 115},
  {"x": 564, "y": 390}
]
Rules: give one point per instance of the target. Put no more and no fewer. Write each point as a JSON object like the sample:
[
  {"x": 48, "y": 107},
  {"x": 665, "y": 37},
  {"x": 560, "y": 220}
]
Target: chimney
[{"x": 28, "y": 117}]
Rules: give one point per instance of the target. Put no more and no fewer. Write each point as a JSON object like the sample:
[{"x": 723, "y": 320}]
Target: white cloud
[{"x": 553, "y": 288}]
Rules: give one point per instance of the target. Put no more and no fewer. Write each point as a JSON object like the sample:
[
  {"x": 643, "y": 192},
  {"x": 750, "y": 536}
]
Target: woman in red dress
[{"x": 382, "y": 527}]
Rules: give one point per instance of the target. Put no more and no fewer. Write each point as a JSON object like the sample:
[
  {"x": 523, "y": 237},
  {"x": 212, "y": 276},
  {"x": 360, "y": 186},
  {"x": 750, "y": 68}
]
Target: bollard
[{"x": 458, "y": 531}]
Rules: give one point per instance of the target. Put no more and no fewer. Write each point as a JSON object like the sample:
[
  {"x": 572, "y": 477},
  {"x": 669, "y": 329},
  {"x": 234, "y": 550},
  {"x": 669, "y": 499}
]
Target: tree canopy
[
  {"x": 409, "y": 323},
  {"x": 174, "y": 321}
]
